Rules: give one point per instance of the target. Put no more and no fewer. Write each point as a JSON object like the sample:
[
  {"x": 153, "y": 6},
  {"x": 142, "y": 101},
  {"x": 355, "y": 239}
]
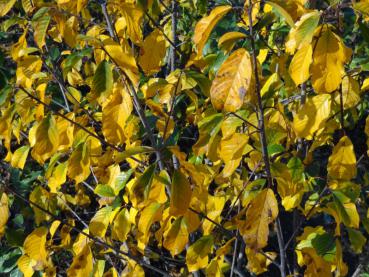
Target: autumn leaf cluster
[{"x": 184, "y": 137}]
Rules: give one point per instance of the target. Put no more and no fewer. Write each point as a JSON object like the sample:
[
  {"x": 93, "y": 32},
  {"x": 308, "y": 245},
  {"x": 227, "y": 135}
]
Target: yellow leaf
[
  {"x": 100, "y": 222},
  {"x": 350, "y": 92},
  {"x": 58, "y": 177},
  {"x": 46, "y": 140},
  {"x": 197, "y": 254},
  {"x": 115, "y": 114},
  {"x": 150, "y": 214},
  {"x": 365, "y": 85},
  {"x": 263, "y": 210},
  {"x": 82, "y": 264},
  {"x": 228, "y": 40},
  {"x": 233, "y": 147},
  {"x": 26, "y": 264},
  {"x": 4, "y": 213},
  {"x": 5, "y": 6},
  {"x": 79, "y": 163},
  {"x": 19, "y": 157},
  {"x": 271, "y": 85},
  {"x": 124, "y": 60},
  {"x": 215, "y": 267},
  {"x": 342, "y": 162},
  {"x": 70, "y": 31},
  {"x": 27, "y": 68},
  {"x": 312, "y": 116},
  {"x": 329, "y": 57},
  {"x": 232, "y": 82},
  {"x": 300, "y": 64},
  {"x": 133, "y": 16},
  {"x": 43, "y": 199},
  {"x": 133, "y": 269},
  {"x": 121, "y": 225},
  {"x": 157, "y": 190},
  {"x": 263, "y": 53},
  {"x": 205, "y": 26},
  {"x": 180, "y": 194},
  {"x": 257, "y": 263},
  {"x": 176, "y": 236},
  {"x": 153, "y": 43},
  {"x": 214, "y": 207},
  {"x": 66, "y": 130},
  {"x": 35, "y": 246}
]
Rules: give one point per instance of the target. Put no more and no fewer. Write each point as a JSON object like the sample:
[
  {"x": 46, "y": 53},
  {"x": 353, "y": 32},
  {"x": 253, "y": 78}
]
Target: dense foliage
[{"x": 158, "y": 137}]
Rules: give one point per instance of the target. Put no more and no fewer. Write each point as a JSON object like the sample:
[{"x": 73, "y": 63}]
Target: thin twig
[
  {"x": 96, "y": 240},
  {"x": 304, "y": 219},
  {"x": 103, "y": 141}
]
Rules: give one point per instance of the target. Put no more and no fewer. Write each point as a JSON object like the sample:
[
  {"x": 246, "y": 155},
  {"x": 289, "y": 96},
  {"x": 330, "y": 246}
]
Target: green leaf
[
  {"x": 357, "y": 240},
  {"x": 102, "y": 83},
  {"x": 4, "y": 93},
  {"x": 275, "y": 149},
  {"x": 296, "y": 168},
  {"x": 141, "y": 187},
  {"x": 104, "y": 191},
  {"x": 325, "y": 246}
]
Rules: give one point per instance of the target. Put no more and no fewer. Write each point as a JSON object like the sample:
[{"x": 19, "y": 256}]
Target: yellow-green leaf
[
  {"x": 5, "y": 6},
  {"x": 197, "y": 254},
  {"x": 303, "y": 31},
  {"x": 40, "y": 23},
  {"x": 150, "y": 214},
  {"x": 19, "y": 157},
  {"x": 357, "y": 240},
  {"x": 100, "y": 222},
  {"x": 282, "y": 12}
]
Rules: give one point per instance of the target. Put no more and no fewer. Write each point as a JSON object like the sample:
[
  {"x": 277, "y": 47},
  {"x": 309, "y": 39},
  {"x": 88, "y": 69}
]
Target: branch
[
  {"x": 102, "y": 140},
  {"x": 224, "y": 230},
  {"x": 262, "y": 132},
  {"x": 138, "y": 108},
  {"x": 304, "y": 219},
  {"x": 116, "y": 251}
]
